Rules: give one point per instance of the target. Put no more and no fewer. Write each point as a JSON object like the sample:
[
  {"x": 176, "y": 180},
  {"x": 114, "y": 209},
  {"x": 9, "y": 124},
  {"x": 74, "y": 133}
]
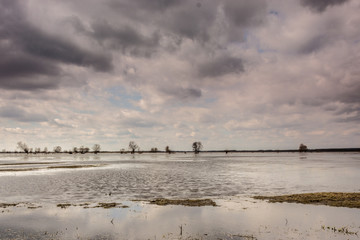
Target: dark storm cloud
[
  {"x": 192, "y": 20},
  {"x": 17, "y": 114},
  {"x": 40, "y": 44},
  {"x": 14, "y": 64},
  {"x": 351, "y": 95},
  {"x": 125, "y": 38},
  {"x": 221, "y": 66},
  {"x": 183, "y": 18},
  {"x": 29, "y": 51},
  {"x": 37, "y": 43},
  {"x": 321, "y": 5},
  {"x": 19, "y": 70},
  {"x": 245, "y": 13}
]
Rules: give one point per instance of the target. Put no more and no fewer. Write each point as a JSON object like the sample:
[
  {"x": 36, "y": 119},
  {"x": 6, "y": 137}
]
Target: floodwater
[{"x": 43, "y": 181}]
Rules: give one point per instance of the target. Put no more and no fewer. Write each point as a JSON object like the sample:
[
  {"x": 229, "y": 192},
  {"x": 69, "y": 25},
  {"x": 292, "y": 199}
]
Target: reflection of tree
[
  {"x": 197, "y": 146},
  {"x": 133, "y": 146}
]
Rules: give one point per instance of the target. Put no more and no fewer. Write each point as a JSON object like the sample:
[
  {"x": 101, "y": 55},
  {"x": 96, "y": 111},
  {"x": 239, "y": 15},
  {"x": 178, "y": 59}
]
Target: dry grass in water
[{"x": 335, "y": 199}]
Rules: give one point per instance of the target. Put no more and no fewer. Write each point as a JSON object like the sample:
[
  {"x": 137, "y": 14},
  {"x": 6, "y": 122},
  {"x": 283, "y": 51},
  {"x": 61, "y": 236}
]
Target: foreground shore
[{"x": 230, "y": 218}]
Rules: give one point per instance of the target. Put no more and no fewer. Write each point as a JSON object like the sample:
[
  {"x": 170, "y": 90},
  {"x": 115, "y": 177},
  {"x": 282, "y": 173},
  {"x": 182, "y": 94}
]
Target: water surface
[
  {"x": 229, "y": 179},
  {"x": 146, "y": 176}
]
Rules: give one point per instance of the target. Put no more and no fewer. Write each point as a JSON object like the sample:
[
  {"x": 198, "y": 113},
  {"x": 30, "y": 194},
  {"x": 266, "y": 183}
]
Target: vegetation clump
[
  {"x": 184, "y": 202},
  {"x": 335, "y": 199},
  {"x": 110, "y": 205},
  {"x": 64, "y": 205}
]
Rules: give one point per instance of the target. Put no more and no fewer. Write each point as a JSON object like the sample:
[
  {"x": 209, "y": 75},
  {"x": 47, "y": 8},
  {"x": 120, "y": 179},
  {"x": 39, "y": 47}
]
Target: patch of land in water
[
  {"x": 334, "y": 199},
  {"x": 184, "y": 202}
]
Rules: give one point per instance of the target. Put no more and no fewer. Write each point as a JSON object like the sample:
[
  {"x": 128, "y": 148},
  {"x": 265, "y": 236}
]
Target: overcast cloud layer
[{"x": 233, "y": 74}]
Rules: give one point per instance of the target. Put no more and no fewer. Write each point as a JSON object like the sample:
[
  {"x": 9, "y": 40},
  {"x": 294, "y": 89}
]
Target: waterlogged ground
[{"x": 40, "y": 184}]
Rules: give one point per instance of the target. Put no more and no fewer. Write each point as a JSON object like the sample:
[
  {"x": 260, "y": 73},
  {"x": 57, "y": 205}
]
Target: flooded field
[{"x": 108, "y": 196}]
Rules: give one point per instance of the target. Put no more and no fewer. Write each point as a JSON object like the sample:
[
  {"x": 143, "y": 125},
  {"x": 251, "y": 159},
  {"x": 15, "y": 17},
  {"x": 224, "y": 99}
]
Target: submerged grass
[
  {"x": 343, "y": 230},
  {"x": 335, "y": 199},
  {"x": 64, "y": 205},
  {"x": 184, "y": 202},
  {"x": 88, "y": 205}
]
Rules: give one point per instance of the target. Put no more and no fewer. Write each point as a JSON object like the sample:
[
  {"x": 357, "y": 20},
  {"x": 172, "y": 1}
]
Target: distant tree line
[
  {"x": 133, "y": 147},
  {"x": 23, "y": 147}
]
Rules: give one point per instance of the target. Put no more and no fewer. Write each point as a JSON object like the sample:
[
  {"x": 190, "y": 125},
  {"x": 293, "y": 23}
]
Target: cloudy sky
[{"x": 233, "y": 74}]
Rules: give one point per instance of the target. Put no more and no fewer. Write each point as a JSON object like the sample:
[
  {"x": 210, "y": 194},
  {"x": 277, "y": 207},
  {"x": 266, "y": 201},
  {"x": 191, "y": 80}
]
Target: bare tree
[
  {"x": 197, "y": 146},
  {"x": 96, "y": 148},
  {"x": 154, "y": 149},
  {"x": 23, "y": 147},
  {"x": 133, "y": 146},
  {"x": 57, "y": 149},
  {"x": 303, "y": 148},
  {"x": 45, "y": 150}
]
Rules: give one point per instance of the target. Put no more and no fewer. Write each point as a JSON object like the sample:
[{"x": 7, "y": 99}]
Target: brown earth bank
[{"x": 335, "y": 199}]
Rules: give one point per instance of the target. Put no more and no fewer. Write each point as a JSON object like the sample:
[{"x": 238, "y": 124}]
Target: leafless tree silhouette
[
  {"x": 133, "y": 146},
  {"x": 23, "y": 147},
  {"x": 96, "y": 148}
]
